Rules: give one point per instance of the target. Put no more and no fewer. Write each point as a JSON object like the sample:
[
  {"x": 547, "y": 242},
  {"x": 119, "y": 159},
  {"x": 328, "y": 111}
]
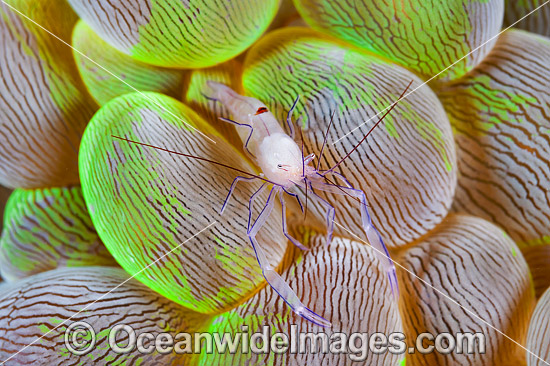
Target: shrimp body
[
  {"x": 280, "y": 159},
  {"x": 284, "y": 166},
  {"x": 249, "y": 111},
  {"x": 277, "y": 155}
]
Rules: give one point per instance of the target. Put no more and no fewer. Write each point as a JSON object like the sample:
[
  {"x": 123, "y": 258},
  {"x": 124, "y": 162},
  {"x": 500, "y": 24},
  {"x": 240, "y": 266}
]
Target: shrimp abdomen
[{"x": 247, "y": 110}]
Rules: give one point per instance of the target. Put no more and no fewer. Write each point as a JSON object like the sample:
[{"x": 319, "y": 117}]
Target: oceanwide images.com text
[{"x": 80, "y": 338}]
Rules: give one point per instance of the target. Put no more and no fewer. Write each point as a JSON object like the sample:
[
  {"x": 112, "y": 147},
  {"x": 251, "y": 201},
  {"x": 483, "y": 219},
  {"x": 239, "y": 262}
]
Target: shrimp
[{"x": 284, "y": 167}]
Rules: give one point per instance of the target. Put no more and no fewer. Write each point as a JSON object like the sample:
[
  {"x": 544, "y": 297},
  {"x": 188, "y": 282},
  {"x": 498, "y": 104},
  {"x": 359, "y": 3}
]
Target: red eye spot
[{"x": 261, "y": 110}]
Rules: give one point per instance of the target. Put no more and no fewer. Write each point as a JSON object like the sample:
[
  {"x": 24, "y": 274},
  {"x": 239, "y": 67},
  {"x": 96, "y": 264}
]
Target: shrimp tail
[
  {"x": 215, "y": 90},
  {"x": 276, "y": 282}
]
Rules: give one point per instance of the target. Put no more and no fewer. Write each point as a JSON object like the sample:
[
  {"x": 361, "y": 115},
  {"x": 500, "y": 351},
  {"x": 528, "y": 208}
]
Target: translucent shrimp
[{"x": 284, "y": 167}]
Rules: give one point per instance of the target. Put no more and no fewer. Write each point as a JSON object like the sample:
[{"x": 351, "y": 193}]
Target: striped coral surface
[{"x": 121, "y": 210}]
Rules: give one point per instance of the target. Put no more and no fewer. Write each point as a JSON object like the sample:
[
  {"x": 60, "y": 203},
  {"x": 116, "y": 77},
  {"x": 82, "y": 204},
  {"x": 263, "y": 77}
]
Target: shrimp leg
[
  {"x": 241, "y": 125},
  {"x": 295, "y": 196},
  {"x": 330, "y": 213},
  {"x": 336, "y": 174},
  {"x": 235, "y": 123},
  {"x": 271, "y": 276},
  {"x": 250, "y": 204},
  {"x": 373, "y": 236},
  {"x": 285, "y": 231},
  {"x": 231, "y": 189}
]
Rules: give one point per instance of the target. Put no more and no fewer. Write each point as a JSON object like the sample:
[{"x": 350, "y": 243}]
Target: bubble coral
[
  {"x": 44, "y": 106},
  {"x": 182, "y": 34},
  {"x": 35, "y": 316},
  {"x": 456, "y": 177},
  {"x": 47, "y": 228}
]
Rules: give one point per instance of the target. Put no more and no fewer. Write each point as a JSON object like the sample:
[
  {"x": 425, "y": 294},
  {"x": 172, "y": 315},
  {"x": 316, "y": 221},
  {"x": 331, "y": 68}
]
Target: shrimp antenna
[
  {"x": 305, "y": 212},
  {"x": 289, "y": 117},
  {"x": 195, "y": 157},
  {"x": 372, "y": 128},
  {"x": 303, "y": 168},
  {"x": 324, "y": 141}
]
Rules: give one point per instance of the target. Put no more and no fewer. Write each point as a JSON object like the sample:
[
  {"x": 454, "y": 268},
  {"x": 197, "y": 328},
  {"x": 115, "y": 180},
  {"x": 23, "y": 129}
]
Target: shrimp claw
[
  {"x": 271, "y": 276},
  {"x": 330, "y": 214},
  {"x": 373, "y": 236}
]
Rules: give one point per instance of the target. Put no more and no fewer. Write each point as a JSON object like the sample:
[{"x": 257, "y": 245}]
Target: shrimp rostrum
[{"x": 285, "y": 168}]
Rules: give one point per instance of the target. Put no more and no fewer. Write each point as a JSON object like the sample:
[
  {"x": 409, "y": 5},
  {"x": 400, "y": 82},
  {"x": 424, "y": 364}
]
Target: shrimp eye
[
  {"x": 279, "y": 166},
  {"x": 261, "y": 110}
]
